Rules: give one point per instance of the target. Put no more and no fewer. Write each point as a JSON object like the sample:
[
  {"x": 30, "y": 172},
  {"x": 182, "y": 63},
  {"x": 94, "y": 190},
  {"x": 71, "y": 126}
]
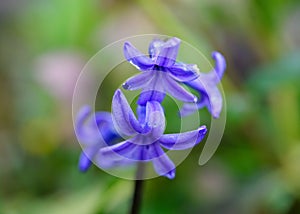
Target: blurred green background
[{"x": 43, "y": 47}]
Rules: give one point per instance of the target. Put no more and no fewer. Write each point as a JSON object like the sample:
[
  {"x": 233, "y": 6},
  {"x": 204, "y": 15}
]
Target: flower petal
[
  {"x": 177, "y": 91},
  {"x": 138, "y": 81},
  {"x": 184, "y": 140},
  {"x": 81, "y": 118},
  {"x": 141, "y": 112},
  {"x": 111, "y": 156},
  {"x": 220, "y": 63},
  {"x": 154, "y": 47},
  {"x": 130, "y": 151},
  {"x": 155, "y": 119},
  {"x": 86, "y": 127},
  {"x": 167, "y": 52},
  {"x": 190, "y": 108},
  {"x": 136, "y": 58},
  {"x": 150, "y": 95},
  {"x": 209, "y": 92},
  {"x": 154, "y": 90},
  {"x": 162, "y": 164},
  {"x": 123, "y": 116},
  {"x": 215, "y": 101},
  {"x": 184, "y": 72},
  {"x": 84, "y": 162}
]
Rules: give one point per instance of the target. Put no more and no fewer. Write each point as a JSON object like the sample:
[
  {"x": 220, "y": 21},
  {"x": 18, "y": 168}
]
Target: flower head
[
  {"x": 160, "y": 72},
  {"x": 145, "y": 137},
  {"x": 206, "y": 86}
]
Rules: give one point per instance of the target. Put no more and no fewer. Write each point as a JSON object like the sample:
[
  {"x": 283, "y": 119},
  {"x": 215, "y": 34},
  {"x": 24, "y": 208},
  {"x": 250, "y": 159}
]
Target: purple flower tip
[
  {"x": 220, "y": 63},
  {"x": 126, "y": 86},
  {"x": 171, "y": 174},
  {"x": 84, "y": 162}
]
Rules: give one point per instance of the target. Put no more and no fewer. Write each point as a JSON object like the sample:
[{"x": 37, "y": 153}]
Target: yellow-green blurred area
[{"x": 45, "y": 43}]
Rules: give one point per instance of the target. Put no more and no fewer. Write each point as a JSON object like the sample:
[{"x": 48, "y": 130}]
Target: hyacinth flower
[
  {"x": 94, "y": 131},
  {"x": 145, "y": 137},
  {"x": 160, "y": 73},
  {"x": 206, "y": 86}
]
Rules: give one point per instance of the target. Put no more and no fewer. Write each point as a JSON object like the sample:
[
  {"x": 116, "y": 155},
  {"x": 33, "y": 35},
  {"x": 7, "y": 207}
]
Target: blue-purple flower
[
  {"x": 120, "y": 138},
  {"x": 161, "y": 73},
  {"x": 93, "y": 131},
  {"x": 206, "y": 86},
  {"x": 145, "y": 137}
]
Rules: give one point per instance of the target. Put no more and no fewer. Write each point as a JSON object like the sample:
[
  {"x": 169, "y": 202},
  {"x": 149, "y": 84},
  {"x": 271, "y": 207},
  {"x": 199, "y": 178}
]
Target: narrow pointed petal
[
  {"x": 136, "y": 58},
  {"x": 84, "y": 162},
  {"x": 184, "y": 140},
  {"x": 184, "y": 72},
  {"x": 167, "y": 53},
  {"x": 130, "y": 151},
  {"x": 177, "y": 91},
  {"x": 114, "y": 156},
  {"x": 220, "y": 63},
  {"x": 155, "y": 119},
  {"x": 123, "y": 116},
  {"x": 138, "y": 81},
  {"x": 163, "y": 165},
  {"x": 125, "y": 149}
]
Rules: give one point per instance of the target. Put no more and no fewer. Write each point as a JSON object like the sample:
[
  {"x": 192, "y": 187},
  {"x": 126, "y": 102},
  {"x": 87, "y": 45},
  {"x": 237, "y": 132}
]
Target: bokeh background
[{"x": 45, "y": 44}]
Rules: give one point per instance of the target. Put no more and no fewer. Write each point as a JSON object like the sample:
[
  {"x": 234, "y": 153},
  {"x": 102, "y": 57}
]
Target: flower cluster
[{"x": 121, "y": 137}]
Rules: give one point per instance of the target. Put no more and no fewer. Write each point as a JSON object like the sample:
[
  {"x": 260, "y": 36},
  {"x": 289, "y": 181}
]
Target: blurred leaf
[
  {"x": 276, "y": 74},
  {"x": 170, "y": 25},
  {"x": 60, "y": 24}
]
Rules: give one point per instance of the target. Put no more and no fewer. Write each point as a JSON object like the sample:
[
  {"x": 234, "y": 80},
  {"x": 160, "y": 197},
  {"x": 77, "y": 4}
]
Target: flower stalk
[{"x": 138, "y": 190}]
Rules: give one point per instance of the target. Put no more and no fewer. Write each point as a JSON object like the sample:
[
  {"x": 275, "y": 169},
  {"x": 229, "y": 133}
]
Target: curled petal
[
  {"x": 162, "y": 164},
  {"x": 177, "y": 91},
  {"x": 86, "y": 128},
  {"x": 136, "y": 58},
  {"x": 123, "y": 116},
  {"x": 184, "y": 72},
  {"x": 215, "y": 101},
  {"x": 138, "y": 81},
  {"x": 190, "y": 108},
  {"x": 220, "y": 65},
  {"x": 166, "y": 53},
  {"x": 211, "y": 97},
  {"x": 209, "y": 93},
  {"x": 82, "y": 116},
  {"x": 155, "y": 119},
  {"x": 184, "y": 140}
]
